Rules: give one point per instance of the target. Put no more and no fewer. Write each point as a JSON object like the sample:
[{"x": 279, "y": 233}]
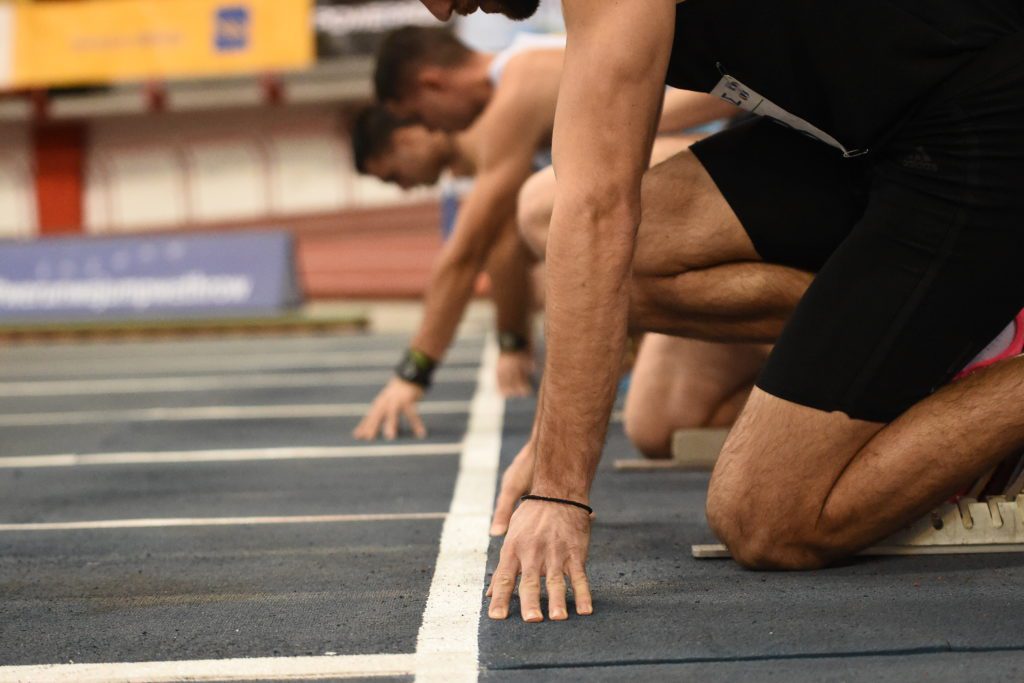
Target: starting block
[
  {"x": 693, "y": 450},
  {"x": 992, "y": 525}
]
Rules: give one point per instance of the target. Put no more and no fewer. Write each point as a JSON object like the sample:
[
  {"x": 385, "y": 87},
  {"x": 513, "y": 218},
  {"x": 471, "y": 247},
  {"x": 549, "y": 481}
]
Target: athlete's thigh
[
  {"x": 686, "y": 223},
  {"x": 753, "y": 192},
  {"x": 930, "y": 274},
  {"x": 782, "y": 458}
]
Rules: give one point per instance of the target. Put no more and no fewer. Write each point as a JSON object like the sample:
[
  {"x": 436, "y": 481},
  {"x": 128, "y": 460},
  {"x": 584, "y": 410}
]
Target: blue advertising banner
[{"x": 211, "y": 275}]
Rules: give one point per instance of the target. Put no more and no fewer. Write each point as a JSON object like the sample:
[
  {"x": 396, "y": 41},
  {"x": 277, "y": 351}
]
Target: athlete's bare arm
[
  {"x": 509, "y": 267},
  {"x": 510, "y": 133},
  {"x": 684, "y": 109},
  {"x": 612, "y": 88}
]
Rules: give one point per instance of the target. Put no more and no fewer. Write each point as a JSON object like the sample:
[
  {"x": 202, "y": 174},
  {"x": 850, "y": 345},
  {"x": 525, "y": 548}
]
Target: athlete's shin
[{"x": 935, "y": 449}]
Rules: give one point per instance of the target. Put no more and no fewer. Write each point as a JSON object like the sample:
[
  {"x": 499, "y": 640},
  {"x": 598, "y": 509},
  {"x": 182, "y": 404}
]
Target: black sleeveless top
[{"x": 852, "y": 68}]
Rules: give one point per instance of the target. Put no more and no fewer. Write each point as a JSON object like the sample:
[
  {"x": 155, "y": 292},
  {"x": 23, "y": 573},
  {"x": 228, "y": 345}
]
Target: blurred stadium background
[{"x": 161, "y": 120}]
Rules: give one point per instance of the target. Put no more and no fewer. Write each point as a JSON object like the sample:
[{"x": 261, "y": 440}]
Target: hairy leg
[
  {"x": 798, "y": 488},
  {"x": 696, "y": 272},
  {"x": 537, "y": 195},
  {"x": 533, "y": 210},
  {"x": 509, "y": 267},
  {"x": 686, "y": 384}
]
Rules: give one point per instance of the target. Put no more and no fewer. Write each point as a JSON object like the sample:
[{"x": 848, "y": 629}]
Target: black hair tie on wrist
[{"x": 563, "y": 501}]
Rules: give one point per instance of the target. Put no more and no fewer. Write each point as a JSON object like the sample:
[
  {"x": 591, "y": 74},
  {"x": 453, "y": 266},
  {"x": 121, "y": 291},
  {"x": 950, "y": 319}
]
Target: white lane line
[
  {"x": 266, "y": 361},
  {"x": 447, "y": 650},
  {"x": 229, "y": 455},
  {"x": 85, "y": 350},
  {"x": 218, "y": 521},
  {"x": 248, "y": 669},
  {"x": 109, "y": 354},
  {"x": 155, "y": 385},
  {"x": 207, "y": 413}
]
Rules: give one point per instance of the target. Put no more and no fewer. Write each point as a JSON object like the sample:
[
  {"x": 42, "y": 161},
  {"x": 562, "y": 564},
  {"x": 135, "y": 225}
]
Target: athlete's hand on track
[
  {"x": 515, "y": 373},
  {"x": 549, "y": 541},
  {"x": 515, "y": 483},
  {"x": 396, "y": 400}
]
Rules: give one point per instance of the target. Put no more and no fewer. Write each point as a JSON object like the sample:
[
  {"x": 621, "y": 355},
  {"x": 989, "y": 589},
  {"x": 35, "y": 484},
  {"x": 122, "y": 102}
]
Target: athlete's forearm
[
  {"x": 585, "y": 327},
  {"x": 489, "y": 208},
  {"x": 509, "y": 269},
  {"x": 600, "y": 155},
  {"x": 451, "y": 287},
  {"x": 452, "y": 284}
]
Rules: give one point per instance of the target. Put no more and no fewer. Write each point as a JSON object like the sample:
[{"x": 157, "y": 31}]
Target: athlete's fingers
[
  {"x": 555, "y": 583},
  {"x": 506, "y": 505},
  {"x": 503, "y": 582},
  {"x": 506, "y": 382},
  {"x": 580, "y": 588},
  {"x": 529, "y": 595},
  {"x": 519, "y": 387},
  {"x": 360, "y": 431},
  {"x": 515, "y": 482},
  {"x": 419, "y": 429},
  {"x": 515, "y": 376},
  {"x": 391, "y": 422},
  {"x": 370, "y": 425}
]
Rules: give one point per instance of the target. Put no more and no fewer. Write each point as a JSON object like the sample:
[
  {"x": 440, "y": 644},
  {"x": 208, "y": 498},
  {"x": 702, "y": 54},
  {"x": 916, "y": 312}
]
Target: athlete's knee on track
[
  {"x": 760, "y": 536},
  {"x": 648, "y": 434},
  {"x": 764, "y": 527},
  {"x": 650, "y": 423},
  {"x": 533, "y": 210}
]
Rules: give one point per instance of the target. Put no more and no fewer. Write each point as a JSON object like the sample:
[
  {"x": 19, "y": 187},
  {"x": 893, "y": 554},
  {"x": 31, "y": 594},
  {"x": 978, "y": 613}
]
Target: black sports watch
[
  {"x": 510, "y": 342},
  {"x": 416, "y": 367}
]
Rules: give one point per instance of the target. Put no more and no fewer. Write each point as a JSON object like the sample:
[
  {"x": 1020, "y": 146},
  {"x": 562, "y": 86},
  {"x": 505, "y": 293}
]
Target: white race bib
[{"x": 734, "y": 92}]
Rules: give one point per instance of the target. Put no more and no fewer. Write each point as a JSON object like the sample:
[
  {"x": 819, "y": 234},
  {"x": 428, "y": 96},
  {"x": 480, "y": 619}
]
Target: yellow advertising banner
[{"x": 69, "y": 42}]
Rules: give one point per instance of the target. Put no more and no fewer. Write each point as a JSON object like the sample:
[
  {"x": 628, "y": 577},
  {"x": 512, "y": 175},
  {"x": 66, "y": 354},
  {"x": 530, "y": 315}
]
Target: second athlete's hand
[
  {"x": 395, "y": 401},
  {"x": 515, "y": 373}
]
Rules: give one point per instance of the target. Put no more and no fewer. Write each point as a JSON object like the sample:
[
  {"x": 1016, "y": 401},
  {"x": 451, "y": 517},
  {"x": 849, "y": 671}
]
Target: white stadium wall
[
  {"x": 179, "y": 170},
  {"x": 17, "y": 186}
]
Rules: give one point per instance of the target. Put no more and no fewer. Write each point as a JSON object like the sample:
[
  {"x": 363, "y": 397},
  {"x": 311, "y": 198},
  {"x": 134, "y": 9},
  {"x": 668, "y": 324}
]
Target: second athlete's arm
[{"x": 511, "y": 134}]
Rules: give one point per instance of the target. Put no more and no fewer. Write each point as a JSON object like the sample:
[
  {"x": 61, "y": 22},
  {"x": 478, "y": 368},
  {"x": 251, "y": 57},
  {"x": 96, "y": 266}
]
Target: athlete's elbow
[
  {"x": 466, "y": 257},
  {"x": 614, "y": 201},
  {"x": 604, "y": 213}
]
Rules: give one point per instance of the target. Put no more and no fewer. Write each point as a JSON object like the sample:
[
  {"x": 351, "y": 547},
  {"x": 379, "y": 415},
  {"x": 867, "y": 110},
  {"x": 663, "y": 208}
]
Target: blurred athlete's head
[
  {"x": 430, "y": 75},
  {"x": 513, "y": 9},
  {"x": 403, "y": 153}
]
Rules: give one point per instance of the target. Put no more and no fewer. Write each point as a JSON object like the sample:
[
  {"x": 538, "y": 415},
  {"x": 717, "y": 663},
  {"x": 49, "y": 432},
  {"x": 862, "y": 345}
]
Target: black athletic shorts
[{"x": 918, "y": 247}]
